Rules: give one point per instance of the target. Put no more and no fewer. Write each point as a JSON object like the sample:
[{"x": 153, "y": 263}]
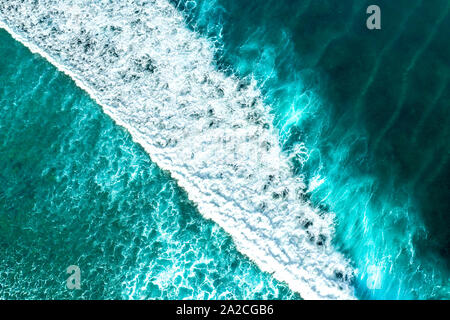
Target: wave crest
[{"x": 211, "y": 131}]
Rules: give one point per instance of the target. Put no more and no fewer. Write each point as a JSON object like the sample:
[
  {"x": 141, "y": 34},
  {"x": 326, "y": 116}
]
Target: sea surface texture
[
  {"x": 225, "y": 149},
  {"x": 76, "y": 190}
]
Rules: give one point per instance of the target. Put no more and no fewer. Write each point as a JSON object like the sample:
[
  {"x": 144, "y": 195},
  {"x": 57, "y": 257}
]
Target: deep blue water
[{"x": 372, "y": 107}]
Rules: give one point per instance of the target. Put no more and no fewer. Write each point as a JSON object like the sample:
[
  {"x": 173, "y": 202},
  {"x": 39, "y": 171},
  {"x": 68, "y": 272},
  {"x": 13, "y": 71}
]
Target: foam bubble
[{"x": 211, "y": 131}]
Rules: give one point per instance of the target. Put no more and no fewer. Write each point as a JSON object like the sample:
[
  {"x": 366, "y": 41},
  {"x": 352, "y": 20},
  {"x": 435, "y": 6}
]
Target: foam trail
[{"x": 212, "y": 132}]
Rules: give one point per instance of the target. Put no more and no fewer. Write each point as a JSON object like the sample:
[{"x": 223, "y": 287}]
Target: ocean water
[
  {"x": 354, "y": 202},
  {"x": 76, "y": 190},
  {"x": 369, "y": 113}
]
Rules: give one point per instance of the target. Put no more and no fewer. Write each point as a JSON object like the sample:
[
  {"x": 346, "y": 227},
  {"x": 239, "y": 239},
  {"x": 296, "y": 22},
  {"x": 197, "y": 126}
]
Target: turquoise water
[
  {"x": 75, "y": 189},
  {"x": 372, "y": 109},
  {"x": 366, "y": 113}
]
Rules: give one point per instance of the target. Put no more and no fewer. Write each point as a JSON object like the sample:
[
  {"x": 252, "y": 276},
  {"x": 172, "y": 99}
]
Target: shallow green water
[{"x": 76, "y": 190}]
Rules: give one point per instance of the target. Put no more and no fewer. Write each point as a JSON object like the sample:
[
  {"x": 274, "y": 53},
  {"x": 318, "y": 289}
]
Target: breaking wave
[{"x": 209, "y": 130}]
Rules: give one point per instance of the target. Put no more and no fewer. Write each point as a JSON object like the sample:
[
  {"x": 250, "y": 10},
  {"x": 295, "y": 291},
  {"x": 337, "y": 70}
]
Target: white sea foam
[{"x": 157, "y": 79}]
